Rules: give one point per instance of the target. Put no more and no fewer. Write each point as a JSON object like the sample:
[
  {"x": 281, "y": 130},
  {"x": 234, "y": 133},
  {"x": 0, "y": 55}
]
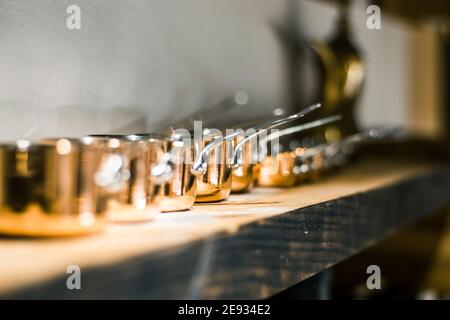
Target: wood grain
[{"x": 250, "y": 246}]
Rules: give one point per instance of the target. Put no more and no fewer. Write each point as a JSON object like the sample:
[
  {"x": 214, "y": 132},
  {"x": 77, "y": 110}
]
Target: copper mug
[{"x": 48, "y": 189}]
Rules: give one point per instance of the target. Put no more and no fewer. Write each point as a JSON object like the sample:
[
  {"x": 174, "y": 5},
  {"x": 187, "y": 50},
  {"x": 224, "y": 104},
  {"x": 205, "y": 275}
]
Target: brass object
[
  {"x": 343, "y": 77},
  {"x": 48, "y": 189}
]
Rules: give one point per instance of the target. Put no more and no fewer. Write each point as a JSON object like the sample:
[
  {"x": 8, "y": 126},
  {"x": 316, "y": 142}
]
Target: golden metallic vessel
[
  {"x": 283, "y": 169},
  {"x": 154, "y": 176},
  {"x": 177, "y": 182},
  {"x": 277, "y": 171},
  {"x": 123, "y": 174},
  {"x": 243, "y": 176},
  {"x": 217, "y": 159},
  {"x": 246, "y": 154},
  {"x": 343, "y": 72},
  {"x": 48, "y": 189},
  {"x": 213, "y": 167}
]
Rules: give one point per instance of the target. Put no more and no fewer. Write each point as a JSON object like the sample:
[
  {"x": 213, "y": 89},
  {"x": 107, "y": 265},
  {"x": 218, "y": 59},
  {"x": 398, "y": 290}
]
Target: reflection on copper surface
[
  {"x": 277, "y": 171},
  {"x": 48, "y": 189},
  {"x": 215, "y": 183}
]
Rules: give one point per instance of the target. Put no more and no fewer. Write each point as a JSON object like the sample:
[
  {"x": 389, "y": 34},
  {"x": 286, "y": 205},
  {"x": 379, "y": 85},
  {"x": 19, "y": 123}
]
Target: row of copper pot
[
  {"x": 64, "y": 187},
  {"x": 289, "y": 168}
]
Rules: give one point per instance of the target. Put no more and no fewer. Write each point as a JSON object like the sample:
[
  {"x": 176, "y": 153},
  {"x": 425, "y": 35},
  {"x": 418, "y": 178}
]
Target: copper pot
[
  {"x": 244, "y": 175},
  {"x": 322, "y": 158},
  {"x": 246, "y": 153},
  {"x": 177, "y": 183},
  {"x": 48, "y": 189},
  {"x": 216, "y": 159},
  {"x": 154, "y": 176},
  {"x": 282, "y": 169},
  {"x": 213, "y": 166},
  {"x": 122, "y": 170}
]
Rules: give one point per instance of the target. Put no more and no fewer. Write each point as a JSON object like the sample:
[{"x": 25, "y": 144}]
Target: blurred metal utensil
[
  {"x": 246, "y": 153},
  {"x": 279, "y": 169},
  {"x": 330, "y": 155}
]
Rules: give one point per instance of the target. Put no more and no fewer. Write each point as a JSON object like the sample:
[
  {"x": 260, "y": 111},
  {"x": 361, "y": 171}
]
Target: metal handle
[
  {"x": 288, "y": 131},
  {"x": 372, "y": 134},
  {"x": 201, "y": 164},
  {"x": 163, "y": 171},
  {"x": 337, "y": 152},
  {"x": 302, "y": 127},
  {"x": 238, "y": 150}
]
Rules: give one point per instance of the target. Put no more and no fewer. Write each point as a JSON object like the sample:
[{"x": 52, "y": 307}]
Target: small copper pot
[
  {"x": 320, "y": 159},
  {"x": 246, "y": 153},
  {"x": 171, "y": 161},
  {"x": 243, "y": 175},
  {"x": 213, "y": 167},
  {"x": 160, "y": 178},
  {"x": 217, "y": 159},
  {"x": 283, "y": 169},
  {"x": 123, "y": 174},
  {"x": 277, "y": 171},
  {"x": 153, "y": 177},
  {"x": 308, "y": 167},
  {"x": 48, "y": 189}
]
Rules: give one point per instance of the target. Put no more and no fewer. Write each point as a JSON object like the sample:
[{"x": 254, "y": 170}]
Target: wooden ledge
[{"x": 251, "y": 246}]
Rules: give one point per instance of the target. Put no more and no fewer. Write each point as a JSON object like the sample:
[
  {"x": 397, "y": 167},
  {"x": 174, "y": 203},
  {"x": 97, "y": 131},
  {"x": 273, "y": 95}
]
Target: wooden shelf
[{"x": 251, "y": 246}]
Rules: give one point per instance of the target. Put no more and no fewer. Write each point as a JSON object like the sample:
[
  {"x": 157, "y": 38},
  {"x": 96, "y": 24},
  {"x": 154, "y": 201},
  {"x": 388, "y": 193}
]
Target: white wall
[
  {"x": 142, "y": 61},
  {"x": 139, "y": 63}
]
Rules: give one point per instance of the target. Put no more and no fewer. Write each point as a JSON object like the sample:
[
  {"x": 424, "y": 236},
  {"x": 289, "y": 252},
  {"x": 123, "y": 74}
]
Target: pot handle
[
  {"x": 299, "y": 128},
  {"x": 330, "y": 151},
  {"x": 201, "y": 162},
  {"x": 163, "y": 171},
  {"x": 237, "y": 155}
]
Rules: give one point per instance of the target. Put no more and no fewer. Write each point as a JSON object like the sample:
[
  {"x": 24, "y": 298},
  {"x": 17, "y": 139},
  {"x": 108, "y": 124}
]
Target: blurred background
[
  {"x": 135, "y": 65},
  {"x": 149, "y": 62}
]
